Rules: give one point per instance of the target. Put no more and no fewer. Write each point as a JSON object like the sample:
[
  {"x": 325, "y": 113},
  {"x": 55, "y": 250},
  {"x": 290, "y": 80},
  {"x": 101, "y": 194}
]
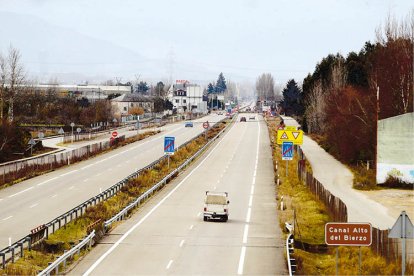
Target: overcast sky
[{"x": 107, "y": 38}]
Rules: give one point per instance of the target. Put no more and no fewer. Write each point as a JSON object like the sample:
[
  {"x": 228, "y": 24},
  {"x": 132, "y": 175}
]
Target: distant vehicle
[
  {"x": 243, "y": 119},
  {"x": 188, "y": 124},
  {"x": 216, "y": 206},
  {"x": 252, "y": 117}
]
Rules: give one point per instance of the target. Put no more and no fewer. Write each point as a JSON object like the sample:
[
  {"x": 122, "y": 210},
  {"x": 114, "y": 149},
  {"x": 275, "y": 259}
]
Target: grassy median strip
[
  {"x": 63, "y": 239},
  {"x": 309, "y": 215}
]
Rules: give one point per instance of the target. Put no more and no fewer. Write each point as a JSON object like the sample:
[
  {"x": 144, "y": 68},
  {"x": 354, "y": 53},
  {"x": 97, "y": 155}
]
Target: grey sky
[{"x": 240, "y": 38}]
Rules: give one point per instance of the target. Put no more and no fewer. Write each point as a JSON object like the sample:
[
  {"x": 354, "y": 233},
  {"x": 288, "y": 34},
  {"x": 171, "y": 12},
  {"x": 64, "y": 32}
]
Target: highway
[
  {"x": 168, "y": 235},
  {"x": 39, "y": 200}
]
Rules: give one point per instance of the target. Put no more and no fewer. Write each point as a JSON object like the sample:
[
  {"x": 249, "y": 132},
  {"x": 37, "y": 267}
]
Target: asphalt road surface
[
  {"x": 36, "y": 201},
  {"x": 168, "y": 234}
]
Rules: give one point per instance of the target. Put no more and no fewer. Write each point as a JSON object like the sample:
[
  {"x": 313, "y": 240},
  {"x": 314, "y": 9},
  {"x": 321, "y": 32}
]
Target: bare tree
[
  {"x": 265, "y": 87},
  {"x": 315, "y": 113},
  {"x": 15, "y": 78},
  {"x": 3, "y": 75}
]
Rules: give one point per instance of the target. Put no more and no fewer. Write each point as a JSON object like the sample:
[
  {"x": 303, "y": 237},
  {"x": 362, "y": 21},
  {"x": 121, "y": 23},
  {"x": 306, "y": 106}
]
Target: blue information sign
[
  {"x": 287, "y": 150},
  {"x": 169, "y": 145}
]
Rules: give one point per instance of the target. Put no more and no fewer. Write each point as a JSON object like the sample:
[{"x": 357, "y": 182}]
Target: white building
[
  {"x": 187, "y": 97},
  {"x": 124, "y": 103}
]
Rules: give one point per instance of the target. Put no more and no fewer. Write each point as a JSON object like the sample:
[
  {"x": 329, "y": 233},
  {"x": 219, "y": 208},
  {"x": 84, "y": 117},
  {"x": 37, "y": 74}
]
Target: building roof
[{"x": 133, "y": 97}]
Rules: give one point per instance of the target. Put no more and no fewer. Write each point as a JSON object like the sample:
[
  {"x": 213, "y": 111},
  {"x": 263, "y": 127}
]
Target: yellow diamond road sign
[{"x": 295, "y": 136}]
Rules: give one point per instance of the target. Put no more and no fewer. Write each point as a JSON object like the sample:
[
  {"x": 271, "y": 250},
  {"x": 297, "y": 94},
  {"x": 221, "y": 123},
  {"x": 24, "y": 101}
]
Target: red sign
[
  {"x": 114, "y": 134},
  {"x": 351, "y": 234},
  {"x": 206, "y": 125}
]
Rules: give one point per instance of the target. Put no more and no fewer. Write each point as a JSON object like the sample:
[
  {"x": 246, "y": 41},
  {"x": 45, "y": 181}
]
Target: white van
[{"x": 216, "y": 205}]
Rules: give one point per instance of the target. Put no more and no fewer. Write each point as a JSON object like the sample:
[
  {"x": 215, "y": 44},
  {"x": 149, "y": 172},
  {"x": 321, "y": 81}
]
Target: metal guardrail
[
  {"x": 289, "y": 251},
  {"x": 161, "y": 183},
  {"x": 69, "y": 254},
  {"x": 9, "y": 252}
]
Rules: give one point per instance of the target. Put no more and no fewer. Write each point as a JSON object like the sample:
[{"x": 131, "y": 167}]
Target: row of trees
[{"x": 340, "y": 96}]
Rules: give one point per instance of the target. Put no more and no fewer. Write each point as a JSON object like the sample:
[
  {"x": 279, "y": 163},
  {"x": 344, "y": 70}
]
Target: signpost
[
  {"x": 31, "y": 143},
  {"x": 348, "y": 234},
  {"x": 114, "y": 134},
  {"x": 287, "y": 153},
  {"x": 169, "y": 147},
  {"x": 295, "y": 136},
  {"x": 206, "y": 125},
  {"x": 72, "y": 125},
  {"x": 403, "y": 229}
]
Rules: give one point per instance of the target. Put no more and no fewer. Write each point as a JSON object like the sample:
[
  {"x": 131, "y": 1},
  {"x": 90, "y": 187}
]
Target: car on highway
[
  {"x": 243, "y": 119},
  {"x": 188, "y": 124},
  {"x": 216, "y": 206}
]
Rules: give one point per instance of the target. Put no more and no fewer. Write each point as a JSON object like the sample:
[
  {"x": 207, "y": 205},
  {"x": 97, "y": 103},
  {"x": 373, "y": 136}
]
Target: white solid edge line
[
  {"x": 33, "y": 205},
  {"x": 115, "y": 245},
  {"x": 13, "y": 195},
  {"x": 182, "y": 243},
  {"x": 250, "y": 200},
  {"x": 241, "y": 260},
  {"x": 249, "y": 213},
  {"x": 246, "y": 233},
  {"x": 191, "y": 227}
]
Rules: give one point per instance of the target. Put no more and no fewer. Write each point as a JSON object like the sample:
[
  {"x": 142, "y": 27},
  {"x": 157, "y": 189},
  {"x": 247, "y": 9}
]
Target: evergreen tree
[
  {"x": 221, "y": 84},
  {"x": 210, "y": 88},
  {"x": 292, "y": 103},
  {"x": 142, "y": 87}
]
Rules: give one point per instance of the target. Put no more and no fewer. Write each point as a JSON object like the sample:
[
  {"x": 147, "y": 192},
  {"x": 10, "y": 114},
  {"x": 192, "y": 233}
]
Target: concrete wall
[{"x": 396, "y": 148}]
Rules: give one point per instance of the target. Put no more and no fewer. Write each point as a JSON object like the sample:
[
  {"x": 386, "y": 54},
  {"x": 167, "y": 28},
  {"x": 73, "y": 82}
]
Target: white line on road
[
  {"x": 254, "y": 181},
  {"x": 169, "y": 264},
  {"x": 68, "y": 173},
  {"x": 181, "y": 243},
  {"x": 98, "y": 174},
  {"x": 214, "y": 188},
  {"x": 241, "y": 260},
  {"x": 71, "y": 187},
  {"x": 199, "y": 213},
  {"x": 252, "y": 190},
  {"x": 250, "y": 200},
  {"x": 124, "y": 236},
  {"x": 246, "y": 233},
  {"x": 249, "y": 212},
  {"x": 90, "y": 165},
  {"x": 9, "y": 217},
  {"x": 55, "y": 195},
  {"x": 33, "y": 205},
  {"x": 191, "y": 227},
  {"x": 28, "y": 189},
  {"x": 44, "y": 182}
]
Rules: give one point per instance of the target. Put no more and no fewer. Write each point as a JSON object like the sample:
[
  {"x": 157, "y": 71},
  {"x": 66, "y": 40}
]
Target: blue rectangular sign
[
  {"x": 287, "y": 150},
  {"x": 169, "y": 145}
]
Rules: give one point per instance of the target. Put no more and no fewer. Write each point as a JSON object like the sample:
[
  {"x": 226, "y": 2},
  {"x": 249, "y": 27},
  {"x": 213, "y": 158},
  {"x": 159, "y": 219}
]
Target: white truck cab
[{"x": 216, "y": 206}]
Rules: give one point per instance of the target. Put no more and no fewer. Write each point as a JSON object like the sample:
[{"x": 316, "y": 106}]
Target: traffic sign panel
[
  {"x": 295, "y": 136},
  {"x": 287, "y": 151},
  {"x": 206, "y": 125},
  {"x": 169, "y": 145},
  {"x": 352, "y": 234},
  {"x": 114, "y": 134}
]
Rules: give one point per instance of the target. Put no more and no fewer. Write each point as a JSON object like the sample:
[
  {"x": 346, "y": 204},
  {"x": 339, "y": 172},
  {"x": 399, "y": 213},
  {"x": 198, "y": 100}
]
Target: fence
[
  {"x": 43, "y": 231},
  {"x": 381, "y": 244}
]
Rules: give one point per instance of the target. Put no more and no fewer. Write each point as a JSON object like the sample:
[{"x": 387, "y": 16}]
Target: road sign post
[
  {"x": 206, "y": 125},
  {"x": 403, "y": 229},
  {"x": 169, "y": 147},
  {"x": 287, "y": 153},
  {"x": 348, "y": 234}
]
